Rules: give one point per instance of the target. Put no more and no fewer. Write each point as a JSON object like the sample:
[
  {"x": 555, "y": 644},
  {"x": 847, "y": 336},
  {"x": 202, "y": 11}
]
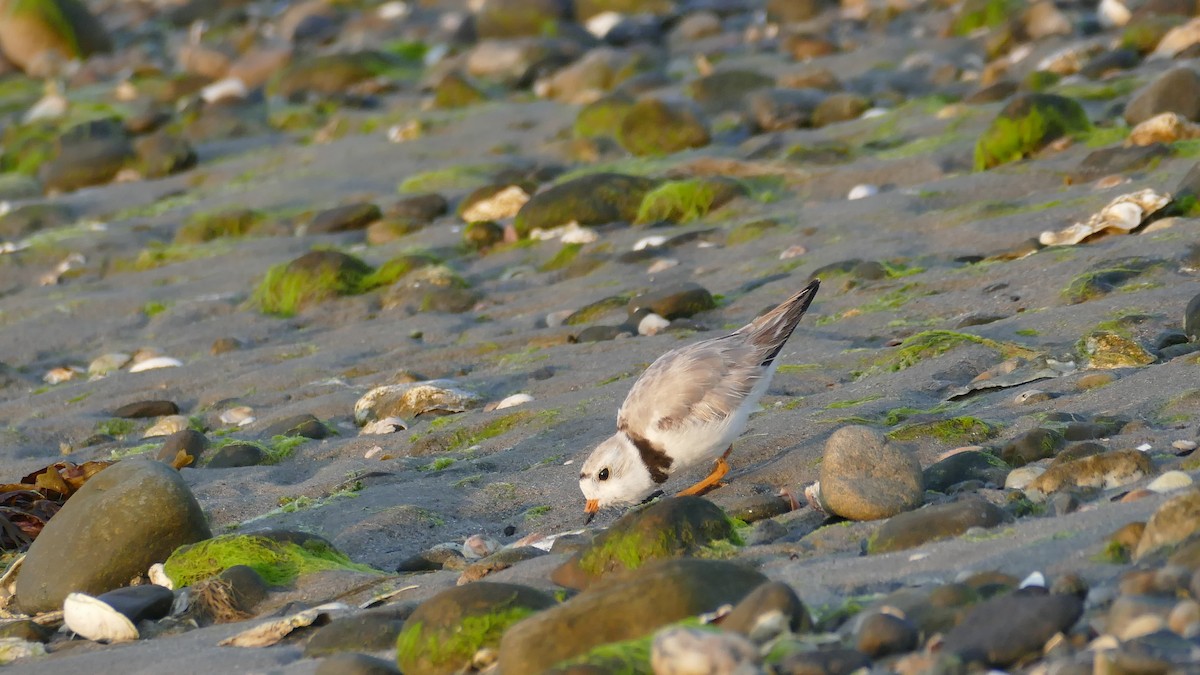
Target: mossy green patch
[
  {"x": 840, "y": 405},
  {"x": 116, "y": 427},
  {"x": 591, "y": 312},
  {"x": 279, "y": 563},
  {"x": 976, "y": 14},
  {"x": 747, "y": 232},
  {"x": 396, "y": 268},
  {"x": 602, "y": 118},
  {"x": 449, "y": 651},
  {"x": 202, "y": 227},
  {"x": 1028, "y": 124},
  {"x": 467, "y": 436},
  {"x": 287, "y": 288},
  {"x": 124, "y": 453},
  {"x": 1113, "y": 553},
  {"x": 932, "y": 343},
  {"x": 953, "y": 430},
  {"x": 565, "y": 256},
  {"x": 1107, "y": 277},
  {"x": 154, "y": 308},
  {"x": 630, "y": 549},
  {"x": 438, "y": 464},
  {"x": 461, "y": 177},
  {"x": 682, "y": 201}
]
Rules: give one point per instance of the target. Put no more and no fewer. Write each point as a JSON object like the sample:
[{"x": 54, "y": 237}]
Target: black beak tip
[{"x": 588, "y": 521}]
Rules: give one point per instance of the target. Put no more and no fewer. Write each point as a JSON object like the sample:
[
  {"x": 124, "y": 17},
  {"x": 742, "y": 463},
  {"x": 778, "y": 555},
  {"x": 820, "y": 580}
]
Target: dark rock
[
  {"x": 595, "y": 199},
  {"x": 1109, "y": 61},
  {"x": 306, "y": 425},
  {"x": 141, "y": 409},
  {"x": 932, "y": 523},
  {"x": 90, "y": 153},
  {"x": 781, "y": 109},
  {"x": 675, "y": 302},
  {"x": 668, "y": 528},
  {"x": 519, "y": 18},
  {"x": 658, "y": 594},
  {"x": 422, "y": 207},
  {"x": 1177, "y": 91},
  {"x": 769, "y": 599},
  {"x": 1001, "y": 631},
  {"x": 344, "y": 265},
  {"x": 124, "y": 519},
  {"x": 656, "y": 127},
  {"x": 1119, "y": 159},
  {"x": 349, "y": 663},
  {"x": 831, "y": 661},
  {"x": 445, "y": 631},
  {"x": 483, "y": 234},
  {"x": 190, "y": 442},
  {"x": 454, "y": 90},
  {"x": 347, "y": 218},
  {"x": 1106, "y": 276},
  {"x": 247, "y": 588},
  {"x": 331, "y": 74},
  {"x": 865, "y": 477},
  {"x": 754, "y": 508},
  {"x": 436, "y": 558},
  {"x": 1031, "y": 446},
  {"x": 364, "y": 632},
  {"x": 725, "y": 89},
  {"x": 1191, "y": 318},
  {"x": 603, "y": 333},
  {"x": 27, "y": 219},
  {"x": 965, "y": 466},
  {"x": 162, "y": 154},
  {"x": 602, "y": 118},
  {"x": 882, "y": 634},
  {"x": 236, "y": 455},
  {"x": 839, "y": 107},
  {"x": 147, "y": 602},
  {"x": 207, "y": 226},
  {"x": 1052, "y": 115},
  {"x": 500, "y": 560}
]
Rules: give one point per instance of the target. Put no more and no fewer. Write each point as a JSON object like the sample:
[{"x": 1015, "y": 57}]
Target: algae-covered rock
[
  {"x": 655, "y": 127},
  {"x": 975, "y": 14},
  {"x": 280, "y": 560},
  {"x": 344, "y": 218},
  {"x": 456, "y": 91},
  {"x": 518, "y": 18},
  {"x": 1109, "y": 349},
  {"x": 724, "y": 90},
  {"x": 677, "y": 301},
  {"x": 443, "y": 634},
  {"x": 40, "y": 35},
  {"x": 30, "y": 218},
  {"x": 329, "y": 74},
  {"x": 483, "y": 234},
  {"x": 839, "y": 107},
  {"x": 602, "y": 117},
  {"x": 667, "y": 529},
  {"x": 124, "y": 519},
  {"x": 309, "y": 279},
  {"x": 1026, "y": 125},
  {"x": 682, "y": 201},
  {"x": 659, "y": 594},
  {"x": 162, "y": 154},
  {"x": 206, "y": 226},
  {"x": 89, "y": 153},
  {"x": 1107, "y": 470},
  {"x": 594, "y": 199},
  {"x": 932, "y": 523},
  {"x": 434, "y": 288},
  {"x": 1173, "y": 523}
]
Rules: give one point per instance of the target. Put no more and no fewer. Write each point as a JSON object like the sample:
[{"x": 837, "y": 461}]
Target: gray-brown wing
[{"x": 704, "y": 382}]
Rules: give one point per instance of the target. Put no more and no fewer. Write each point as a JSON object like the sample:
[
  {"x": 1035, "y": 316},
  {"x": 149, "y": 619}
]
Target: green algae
[
  {"x": 953, "y": 430},
  {"x": 933, "y": 343},
  {"x": 449, "y": 651},
  {"x": 279, "y": 563},
  {"x": 1027, "y": 125}
]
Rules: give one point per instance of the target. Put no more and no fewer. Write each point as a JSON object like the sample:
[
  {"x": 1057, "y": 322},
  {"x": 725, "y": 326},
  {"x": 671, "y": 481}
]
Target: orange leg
[{"x": 713, "y": 480}]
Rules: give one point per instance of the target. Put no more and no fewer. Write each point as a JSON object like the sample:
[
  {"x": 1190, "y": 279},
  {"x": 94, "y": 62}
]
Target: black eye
[{"x": 603, "y": 475}]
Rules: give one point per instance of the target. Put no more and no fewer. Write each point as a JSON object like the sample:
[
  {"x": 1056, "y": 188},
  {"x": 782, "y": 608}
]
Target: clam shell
[
  {"x": 407, "y": 401},
  {"x": 156, "y": 362},
  {"x": 97, "y": 621},
  {"x": 1121, "y": 215}
]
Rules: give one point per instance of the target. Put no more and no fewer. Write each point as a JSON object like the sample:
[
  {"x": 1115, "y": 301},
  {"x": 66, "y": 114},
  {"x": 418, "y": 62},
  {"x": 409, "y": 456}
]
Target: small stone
[
  {"x": 1031, "y": 446},
  {"x": 236, "y": 455},
  {"x": 1021, "y": 477},
  {"x": 224, "y": 345},
  {"x": 370, "y": 631},
  {"x": 940, "y": 521},
  {"x": 675, "y": 302},
  {"x": 1170, "y": 481},
  {"x": 768, "y": 611},
  {"x": 497, "y": 203},
  {"x": 101, "y": 366},
  {"x": 305, "y": 425},
  {"x": 1106, "y": 349},
  {"x": 644, "y": 128},
  {"x": 154, "y": 363},
  {"x": 829, "y": 660},
  {"x": 241, "y": 416},
  {"x": 881, "y": 634},
  {"x": 500, "y": 560},
  {"x": 1104, "y": 471},
  {"x": 346, "y": 218},
  {"x": 351, "y": 663},
  {"x": 441, "y": 556},
  {"x": 865, "y": 477},
  {"x": 1176, "y": 520},
  {"x": 142, "y": 409},
  {"x": 1003, "y": 630},
  {"x": 965, "y": 466},
  {"x": 183, "y": 448}
]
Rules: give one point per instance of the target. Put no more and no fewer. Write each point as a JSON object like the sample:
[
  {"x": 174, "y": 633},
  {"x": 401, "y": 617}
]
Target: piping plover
[{"x": 687, "y": 408}]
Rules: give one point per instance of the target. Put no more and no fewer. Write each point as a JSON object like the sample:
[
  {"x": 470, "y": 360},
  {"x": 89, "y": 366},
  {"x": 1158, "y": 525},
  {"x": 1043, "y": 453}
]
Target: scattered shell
[
  {"x": 158, "y": 576},
  {"x": 862, "y": 191},
  {"x": 125, "y": 91},
  {"x": 1021, "y": 477},
  {"x": 1165, "y": 127},
  {"x": 661, "y": 265},
  {"x": 571, "y": 233},
  {"x": 510, "y": 401},
  {"x": 653, "y": 241},
  {"x": 398, "y": 133},
  {"x": 1184, "y": 445},
  {"x": 1145, "y": 447},
  {"x": 1112, "y": 13},
  {"x": 1034, "y": 579},
  {"x": 373, "y": 451},
  {"x": 155, "y": 363},
  {"x": 412, "y": 400},
  {"x": 96, "y": 620},
  {"x": 503, "y": 204},
  {"x": 221, "y": 90},
  {"x": 240, "y": 416},
  {"x": 387, "y": 425},
  {"x": 812, "y": 495},
  {"x": 106, "y": 363},
  {"x": 478, "y": 546},
  {"x": 393, "y": 11},
  {"x": 167, "y": 425},
  {"x": 271, "y": 632},
  {"x": 600, "y": 24},
  {"x": 72, "y": 261},
  {"x": 1170, "y": 481},
  {"x": 1014, "y": 372},
  {"x": 1069, "y": 60},
  {"x": 385, "y": 596},
  {"x": 793, "y": 252},
  {"x": 12, "y": 649},
  {"x": 652, "y": 324},
  {"x": 556, "y": 319},
  {"x": 51, "y": 106},
  {"x": 1121, "y": 215},
  {"x": 1111, "y": 181},
  {"x": 61, "y": 374}
]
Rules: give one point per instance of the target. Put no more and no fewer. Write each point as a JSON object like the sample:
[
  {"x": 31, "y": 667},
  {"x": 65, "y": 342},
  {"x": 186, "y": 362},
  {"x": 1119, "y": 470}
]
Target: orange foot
[{"x": 713, "y": 480}]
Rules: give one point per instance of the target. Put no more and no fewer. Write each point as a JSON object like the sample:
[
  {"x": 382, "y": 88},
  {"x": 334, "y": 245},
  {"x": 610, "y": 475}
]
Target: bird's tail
[{"x": 770, "y": 331}]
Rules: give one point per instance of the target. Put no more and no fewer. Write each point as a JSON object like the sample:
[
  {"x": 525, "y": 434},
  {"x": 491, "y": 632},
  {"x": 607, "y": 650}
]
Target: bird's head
[{"x": 614, "y": 475}]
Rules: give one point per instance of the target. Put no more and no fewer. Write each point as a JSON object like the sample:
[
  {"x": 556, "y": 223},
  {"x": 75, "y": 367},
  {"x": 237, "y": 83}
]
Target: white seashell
[
  {"x": 1121, "y": 215},
  {"x": 167, "y": 425},
  {"x": 1021, "y": 477},
  {"x": 661, "y": 265},
  {"x": 1165, "y": 127},
  {"x": 556, "y": 319},
  {"x": 107, "y": 363},
  {"x": 156, "y": 362},
  {"x": 1112, "y": 13},
  {"x": 875, "y": 112},
  {"x": 653, "y": 241},
  {"x": 96, "y": 620},
  {"x": 240, "y": 416},
  {"x": 387, "y": 425},
  {"x": 125, "y": 91},
  {"x": 158, "y": 576},
  {"x": 792, "y": 252},
  {"x": 478, "y": 546},
  {"x": 652, "y": 324},
  {"x": 373, "y": 452},
  {"x": 392, "y": 11},
  {"x": 1184, "y": 445},
  {"x": 416, "y": 398},
  {"x": 514, "y": 400},
  {"x": 398, "y": 133},
  {"x": 862, "y": 191},
  {"x": 61, "y": 374},
  {"x": 228, "y": 88},
  {"x": 600, "y": 24},
  {"x": 574, "y": 233},
  {"x": 918, "y": 556},
  {"x": 1034, "y": 579},
  {"x": 271, "y": 632},
  {"x": 1169, "y": 482},
  {"x": 1145, "y": 447},
  {"x": 503, "y": 204}
]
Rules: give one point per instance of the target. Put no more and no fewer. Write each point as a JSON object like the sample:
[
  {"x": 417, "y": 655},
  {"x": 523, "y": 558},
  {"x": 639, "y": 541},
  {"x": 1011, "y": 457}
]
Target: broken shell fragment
[
  {"x": 112, "y": 617},
  {"x": 155, "y": 363},
  {"x": 1121, "y": 215},
  {"x": 407, "y": 401}
]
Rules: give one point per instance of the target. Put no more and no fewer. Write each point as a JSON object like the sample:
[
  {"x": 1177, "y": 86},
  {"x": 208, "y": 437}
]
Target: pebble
[
  {"x": 512, "y": 401},
  {"x": 866, "y": 477},
  {"x": 862, "y": 192}
]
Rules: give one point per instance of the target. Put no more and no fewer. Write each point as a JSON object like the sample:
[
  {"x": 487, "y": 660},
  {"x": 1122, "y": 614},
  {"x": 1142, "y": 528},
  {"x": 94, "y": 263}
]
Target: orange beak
[{"x": 593, "y": 505}]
